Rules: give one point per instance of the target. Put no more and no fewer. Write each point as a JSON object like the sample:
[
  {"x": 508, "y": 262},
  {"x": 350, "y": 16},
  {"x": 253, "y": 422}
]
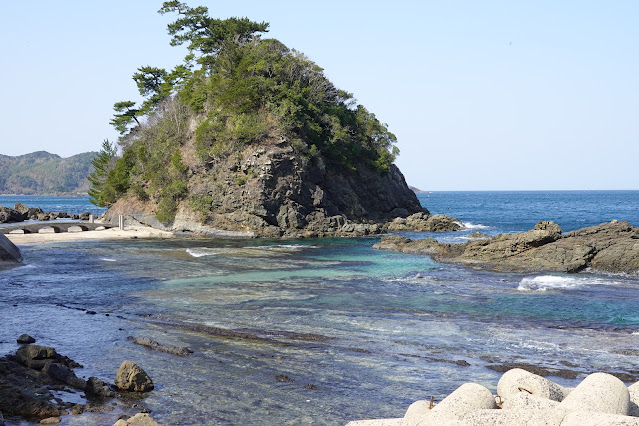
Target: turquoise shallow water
[{"x": 359, "y": 333}]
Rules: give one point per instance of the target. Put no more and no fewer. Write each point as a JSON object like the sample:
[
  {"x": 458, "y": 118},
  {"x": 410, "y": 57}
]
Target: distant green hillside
[{"x": 44, "y": 173}]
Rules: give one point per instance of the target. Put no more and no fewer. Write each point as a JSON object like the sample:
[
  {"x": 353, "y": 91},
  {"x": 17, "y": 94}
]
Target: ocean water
[
  {"x": 71, "y": 205},
  {"x": 324, "y": 331}
]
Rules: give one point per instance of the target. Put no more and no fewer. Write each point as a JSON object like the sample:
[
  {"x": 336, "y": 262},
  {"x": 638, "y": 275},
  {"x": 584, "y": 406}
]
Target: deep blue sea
[{"x": 332, "y": 330}]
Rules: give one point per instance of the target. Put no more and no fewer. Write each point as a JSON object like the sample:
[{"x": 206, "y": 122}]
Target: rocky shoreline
[
  {"x": 37, "y": 384},
  {"x": 609, "y": 247},
  {"x": 20, "y": 213}
]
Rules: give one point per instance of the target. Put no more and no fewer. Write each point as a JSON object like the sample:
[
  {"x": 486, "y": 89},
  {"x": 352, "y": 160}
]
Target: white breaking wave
[
  {"x": 282, "y": 247},
  {"x": 555, "y": 282},
  {"x": 201, "y": 252},
  {"x": 106, "y": 259},
  {"x": 470, "y": 225}
]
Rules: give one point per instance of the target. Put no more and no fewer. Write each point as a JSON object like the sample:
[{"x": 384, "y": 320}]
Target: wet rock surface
[
  {"x": 131, "y": 377},
  {"x": 608, "y": 247},
  {"x": 34, "y": 382},
  {"x": 156, "y": 346}
]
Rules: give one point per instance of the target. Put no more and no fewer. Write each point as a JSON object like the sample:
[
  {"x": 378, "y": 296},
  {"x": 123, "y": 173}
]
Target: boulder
[
  {"x": 516, "y": 381},
  {"x": 25, "y": 339},
  {"x": 34, "y": 352},
  {"x": 9, "y": 215},
  {"x": 140, "y": 419},
  {"x": 599, "y": 392},
  {"x": 63, "y": 374},
  {"x": 131, "y": 377},
  {"x": 423, "y": 222},
  {"x": 98, "y": 388},
  {"x": 22, "y": 210},
  {"x": 85, "y": 216},
  {"x": 34, "y": 212}
]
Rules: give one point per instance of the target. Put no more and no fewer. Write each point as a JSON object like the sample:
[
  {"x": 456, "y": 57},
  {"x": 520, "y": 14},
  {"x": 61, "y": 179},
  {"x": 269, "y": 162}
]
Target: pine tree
[{"x": 103, "y": 162}]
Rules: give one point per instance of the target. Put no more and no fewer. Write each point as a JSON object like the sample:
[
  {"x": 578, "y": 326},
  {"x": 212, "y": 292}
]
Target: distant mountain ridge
[{"x": 43, "y": 173}]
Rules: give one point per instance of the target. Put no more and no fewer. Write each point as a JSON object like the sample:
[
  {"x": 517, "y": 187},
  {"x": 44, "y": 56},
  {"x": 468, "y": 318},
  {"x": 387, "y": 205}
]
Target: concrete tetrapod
[
  {"x": 599, "y": 392},
  {"x": 465, "y": 399},
  {"x": 591, "y": 418},
  {"x": 525, "y": 416},
  {"x": 517, "y": 380},
  {"x": 524, "y": 400},
  {"x": 634, "y": 399}
]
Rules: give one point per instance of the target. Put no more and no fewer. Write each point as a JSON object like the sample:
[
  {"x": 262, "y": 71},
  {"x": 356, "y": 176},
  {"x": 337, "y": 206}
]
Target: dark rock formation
[
  {"x": 10, "y": 215},
  {"x": 422, "y": 222},
  {"x": 25, "y": 339},
  {"x": 27, "y": 379},
  {"x": 609, "y": 247},
  {"x": 98, "y": 388},
  {"x": 273, "y": 191},
  {"x": 131, "y": 377}
]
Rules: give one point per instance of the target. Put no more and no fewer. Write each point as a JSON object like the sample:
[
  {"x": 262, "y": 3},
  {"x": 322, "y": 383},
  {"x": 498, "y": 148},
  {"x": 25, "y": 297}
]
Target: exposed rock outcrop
[
  {"x": 20, "y": 213},
  {"x": 608, "y": 247},
  {"x": 422, "y": 222},
  {"x": 273, "y": 191}
]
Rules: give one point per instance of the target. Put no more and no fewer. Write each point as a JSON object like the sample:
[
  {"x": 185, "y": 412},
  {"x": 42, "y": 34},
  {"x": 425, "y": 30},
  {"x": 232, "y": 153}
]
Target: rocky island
[
  {"x": 608, "y": 247},
  {"x": 250, "y": 139}
]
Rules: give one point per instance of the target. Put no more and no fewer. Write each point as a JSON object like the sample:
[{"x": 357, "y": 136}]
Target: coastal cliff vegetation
[{"x": 237, "y": 92}]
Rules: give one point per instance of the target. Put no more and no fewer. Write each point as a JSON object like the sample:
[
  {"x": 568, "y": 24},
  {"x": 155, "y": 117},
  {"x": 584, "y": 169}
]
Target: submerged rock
[{"x": 152, "y": 344}]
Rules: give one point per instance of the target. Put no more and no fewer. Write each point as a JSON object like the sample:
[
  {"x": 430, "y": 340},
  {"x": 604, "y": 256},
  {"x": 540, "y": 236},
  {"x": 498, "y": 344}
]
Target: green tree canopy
[{"x": 103, "y": 163}]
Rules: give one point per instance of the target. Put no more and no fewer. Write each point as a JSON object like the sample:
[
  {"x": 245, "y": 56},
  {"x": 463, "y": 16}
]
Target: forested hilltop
[
  {"x": 42, "y": 173},
  {"x": 248, "y": 135}
]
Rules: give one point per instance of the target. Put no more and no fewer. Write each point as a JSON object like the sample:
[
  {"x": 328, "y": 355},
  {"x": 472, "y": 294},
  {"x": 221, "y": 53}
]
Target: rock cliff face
[
  {"x": 609, "y": 247},
  {"x": 272, "y": 191}
]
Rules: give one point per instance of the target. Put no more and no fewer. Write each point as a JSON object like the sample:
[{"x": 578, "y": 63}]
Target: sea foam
[
  {"x": 470, "y": 225},
  {"x": 556, "y": 282},
  {"x": 201, "y": 252}
]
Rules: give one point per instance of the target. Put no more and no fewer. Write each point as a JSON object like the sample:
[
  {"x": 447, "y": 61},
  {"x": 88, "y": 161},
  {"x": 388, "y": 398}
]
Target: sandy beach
[{"x": 112, "y": 233}]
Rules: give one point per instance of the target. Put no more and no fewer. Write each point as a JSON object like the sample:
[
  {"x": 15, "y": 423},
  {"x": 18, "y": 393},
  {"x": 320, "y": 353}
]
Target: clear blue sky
[{"x": 489, "y": 95}]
